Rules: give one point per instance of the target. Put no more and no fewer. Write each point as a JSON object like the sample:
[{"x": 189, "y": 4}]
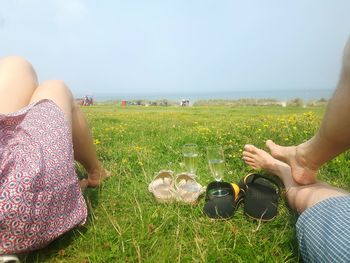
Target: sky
[{"x": 179, "y": 46}]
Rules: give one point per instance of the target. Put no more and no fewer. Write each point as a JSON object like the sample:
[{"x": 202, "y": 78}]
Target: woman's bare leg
[
  {"x": 19, "y": 87},
  {"x": 18, "y": 81},
  {"x": 332, "y": 138},
  {"x": 84, "y": 151},
  {"x": 300, "y": 197}
]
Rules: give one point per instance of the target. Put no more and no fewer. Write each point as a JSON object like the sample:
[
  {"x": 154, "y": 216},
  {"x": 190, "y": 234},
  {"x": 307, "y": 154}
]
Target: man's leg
[
  {"x": 84, "y": 151},
  {"x": 322, "y": 228},
  {"x": 332, "y": 138},
  {"x": 300, "y": 197}
]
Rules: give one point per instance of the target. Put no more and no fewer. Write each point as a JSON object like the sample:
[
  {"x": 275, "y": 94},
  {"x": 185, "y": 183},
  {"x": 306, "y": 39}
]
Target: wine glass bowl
[
  {"x": 216, "y": 160},
  {"x": 190, "y": 155}
]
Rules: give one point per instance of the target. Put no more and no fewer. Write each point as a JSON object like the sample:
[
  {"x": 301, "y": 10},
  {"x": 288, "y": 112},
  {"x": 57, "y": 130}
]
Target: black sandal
[
  {"x": 222, "y": 200},
  {"x": 261, "y": 195}
]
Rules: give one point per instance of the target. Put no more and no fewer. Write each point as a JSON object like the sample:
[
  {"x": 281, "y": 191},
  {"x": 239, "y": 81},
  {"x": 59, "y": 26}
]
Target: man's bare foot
[
  {"x": 97, "y": 175},
  {"x": 259, "y": 159},
  {"x": 303, "y": 170}
]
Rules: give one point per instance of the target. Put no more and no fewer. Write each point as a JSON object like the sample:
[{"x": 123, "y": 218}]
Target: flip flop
[
  {"x": 187, "y": 188},
  {"x": 162, "y": 187},
  {"x": 222, "y": 200},
  {"x": 260, "y": 196}
]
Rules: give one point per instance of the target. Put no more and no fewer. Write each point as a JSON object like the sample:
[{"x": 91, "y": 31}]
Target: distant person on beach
[
  {"x": 323, "y": 227},
  {"x": 88, "y": 101},
  {"x": 40, "y": 125}
]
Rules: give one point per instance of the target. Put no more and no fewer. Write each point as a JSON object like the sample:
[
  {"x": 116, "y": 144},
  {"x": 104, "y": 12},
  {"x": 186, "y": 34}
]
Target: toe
[
  {"x": 249, "y": 148},
  {"x": 276, "y": 150},
  {"x": 253, "y": 165},
  {"x": 248, "y": 154},
  {"x": 108, "y": 173},
  {"x": 248, "y": 160},
  {"x": 270, "y": 144},
  {"x": 83, "y": 184}
]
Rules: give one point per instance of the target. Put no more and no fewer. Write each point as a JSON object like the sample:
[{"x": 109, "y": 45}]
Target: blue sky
[{"x": 179, "y": 46}]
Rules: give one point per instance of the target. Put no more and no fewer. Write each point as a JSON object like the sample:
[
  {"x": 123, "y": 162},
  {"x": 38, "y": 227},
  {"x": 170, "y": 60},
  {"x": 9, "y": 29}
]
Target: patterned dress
[{"x": 40, "y": 197}]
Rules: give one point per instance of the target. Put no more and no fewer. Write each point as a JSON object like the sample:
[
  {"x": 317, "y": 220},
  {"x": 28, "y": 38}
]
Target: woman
[{"x": 42, "y": 131}]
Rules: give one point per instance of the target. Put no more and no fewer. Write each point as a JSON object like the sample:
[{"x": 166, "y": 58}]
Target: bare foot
[
  {"x": 303, "y": 169},
  {"x": 83, "y": 184},
  {"x": 97, "y": 175},
  {"x": 259, "y": 159}
]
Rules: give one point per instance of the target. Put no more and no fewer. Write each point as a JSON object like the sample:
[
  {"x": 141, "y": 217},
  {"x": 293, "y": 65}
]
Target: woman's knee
[
  {"x": 18, "y": 66},
  {"x": 58, "y": 92},
  {"x": 18, "y": 82},
  {"x": 54, "y": 89},
  {"x": 16, "y": 61}
]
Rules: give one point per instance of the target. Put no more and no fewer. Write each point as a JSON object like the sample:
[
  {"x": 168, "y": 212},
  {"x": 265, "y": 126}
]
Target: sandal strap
[{"x": 9, "y": 259}]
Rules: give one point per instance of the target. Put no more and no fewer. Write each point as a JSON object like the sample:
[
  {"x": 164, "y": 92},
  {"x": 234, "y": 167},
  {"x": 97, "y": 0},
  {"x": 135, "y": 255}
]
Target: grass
[{"x": 125, "y": 224}]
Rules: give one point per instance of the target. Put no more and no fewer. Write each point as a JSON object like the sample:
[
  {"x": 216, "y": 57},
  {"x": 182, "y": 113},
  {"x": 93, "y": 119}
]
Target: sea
[{"x": 281, "y": 95}]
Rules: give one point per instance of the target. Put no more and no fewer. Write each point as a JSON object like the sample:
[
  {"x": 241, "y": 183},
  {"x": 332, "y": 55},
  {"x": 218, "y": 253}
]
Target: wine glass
[
  {"x": 190, "y": 154},
  {"x": 216, "y": 160}
]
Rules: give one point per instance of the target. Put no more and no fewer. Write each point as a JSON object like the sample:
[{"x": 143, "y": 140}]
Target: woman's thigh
[{"x": 18, "y": 81}]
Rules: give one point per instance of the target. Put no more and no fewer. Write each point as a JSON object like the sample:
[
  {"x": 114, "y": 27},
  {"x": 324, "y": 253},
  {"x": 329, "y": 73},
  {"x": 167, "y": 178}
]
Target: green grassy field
[{"x": 125, "y": 224}]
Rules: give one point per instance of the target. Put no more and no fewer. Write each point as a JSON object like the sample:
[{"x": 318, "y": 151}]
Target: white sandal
[
  {"x": 162, "y": 187},
  {"x": 9, "y": 259},
  {"x": 187, "y": 188}
]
